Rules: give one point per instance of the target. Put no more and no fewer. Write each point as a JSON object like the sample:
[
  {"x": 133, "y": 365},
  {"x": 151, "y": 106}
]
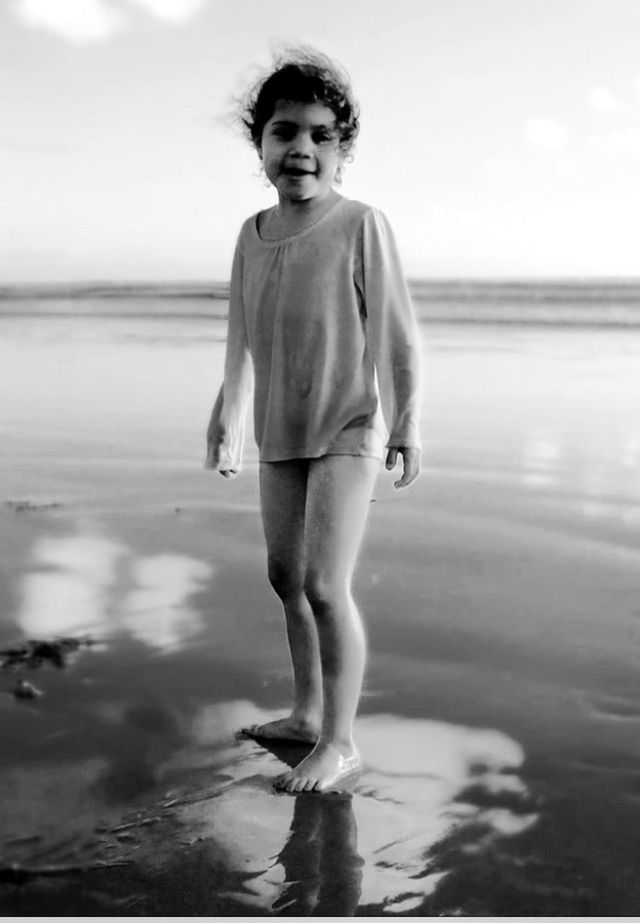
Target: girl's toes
[
  {"x": 280, "y": 784},
  {"x": 290, "y": 783}
]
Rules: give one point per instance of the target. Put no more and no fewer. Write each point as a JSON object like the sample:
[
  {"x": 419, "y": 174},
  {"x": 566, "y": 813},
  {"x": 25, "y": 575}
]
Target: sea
[{"x": 600, "y": 302}]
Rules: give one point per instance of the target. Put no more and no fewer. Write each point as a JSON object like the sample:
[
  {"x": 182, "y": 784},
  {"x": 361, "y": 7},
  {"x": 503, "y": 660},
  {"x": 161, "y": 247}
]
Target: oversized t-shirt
[{"x": 323, "y": 321}]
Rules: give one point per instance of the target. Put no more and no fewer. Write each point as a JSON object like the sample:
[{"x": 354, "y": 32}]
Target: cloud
[
  {"x": 568, "y": 168},
  {"x": 546, "y": 134},
  {"x": 78, "y": 21},
  {"x": 171, "y": 10},
  {"x": 75, "y": 587},
  {"x": 86, "y": 21},
  {"x": 45, "y": 146},
  {"x": 625, "y": 141},
  {"x": 435, "y": 799},
  {"x": 605, "y": 101},
  {"x": 157, "y": 610}
]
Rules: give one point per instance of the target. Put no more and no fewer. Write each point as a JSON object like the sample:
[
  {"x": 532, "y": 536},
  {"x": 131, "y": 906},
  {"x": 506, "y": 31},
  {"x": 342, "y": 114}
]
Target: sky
[{"x": 501, "y": 137}]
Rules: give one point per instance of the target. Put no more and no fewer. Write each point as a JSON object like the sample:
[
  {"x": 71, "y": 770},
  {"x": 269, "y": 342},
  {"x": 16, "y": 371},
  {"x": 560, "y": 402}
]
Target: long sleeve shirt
[{"x": 324, "y": 321}]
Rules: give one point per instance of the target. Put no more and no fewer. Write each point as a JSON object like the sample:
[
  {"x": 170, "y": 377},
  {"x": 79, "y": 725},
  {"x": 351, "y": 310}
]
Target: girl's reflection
[
  {"x": 384, "y": 845},
  {"x": 322, "y": 868},
  {"x": 320, "y": 860}
]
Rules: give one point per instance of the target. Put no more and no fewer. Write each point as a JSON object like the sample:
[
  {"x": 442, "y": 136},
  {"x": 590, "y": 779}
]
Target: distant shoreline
[
  {"x": 543, "y": 302},
  {"x": 431, "y": 289},
  {"x": 218, "y": 290}
]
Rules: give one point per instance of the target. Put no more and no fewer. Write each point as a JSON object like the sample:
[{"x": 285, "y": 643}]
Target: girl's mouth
[{"x": 294, "y": 171}]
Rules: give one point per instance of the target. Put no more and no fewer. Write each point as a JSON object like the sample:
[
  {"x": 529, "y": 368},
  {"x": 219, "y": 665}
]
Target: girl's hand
[
  {"x": 410, "y": 464},
  {"x": 215, "y": 438},
  {"x": 215, "y": 435}
]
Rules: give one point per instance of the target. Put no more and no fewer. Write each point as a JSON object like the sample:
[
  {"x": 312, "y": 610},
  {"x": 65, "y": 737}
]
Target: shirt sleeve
[
  {"x": 238, "y": 374},
  {"x": 393, "y": 332}
]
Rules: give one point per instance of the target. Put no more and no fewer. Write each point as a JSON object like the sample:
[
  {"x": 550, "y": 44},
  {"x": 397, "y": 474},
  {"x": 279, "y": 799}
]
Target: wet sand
[{"x": 499, "y": 723}]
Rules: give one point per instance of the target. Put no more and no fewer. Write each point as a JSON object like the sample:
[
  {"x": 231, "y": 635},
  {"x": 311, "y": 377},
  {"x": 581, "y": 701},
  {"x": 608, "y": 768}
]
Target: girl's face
[{"x": 299, "y": 150}]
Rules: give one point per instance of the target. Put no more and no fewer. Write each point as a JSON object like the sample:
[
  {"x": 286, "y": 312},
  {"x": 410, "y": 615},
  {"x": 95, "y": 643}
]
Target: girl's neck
[{"x": 290, "y": 217}]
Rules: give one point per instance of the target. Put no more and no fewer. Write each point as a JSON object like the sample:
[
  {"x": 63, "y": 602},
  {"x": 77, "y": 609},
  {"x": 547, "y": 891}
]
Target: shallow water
[{"x": 499, "y": 723}]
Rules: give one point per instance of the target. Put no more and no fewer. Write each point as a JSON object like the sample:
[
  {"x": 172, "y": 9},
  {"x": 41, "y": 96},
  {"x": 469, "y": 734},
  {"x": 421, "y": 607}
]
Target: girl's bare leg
[
  {"x": 283, "y": 489},
  {"x": 339, "y": 490}
]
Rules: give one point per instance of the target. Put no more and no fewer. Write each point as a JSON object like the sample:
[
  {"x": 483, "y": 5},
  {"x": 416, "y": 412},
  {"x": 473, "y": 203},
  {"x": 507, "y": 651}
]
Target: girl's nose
[{"x": 302, "y": 144}]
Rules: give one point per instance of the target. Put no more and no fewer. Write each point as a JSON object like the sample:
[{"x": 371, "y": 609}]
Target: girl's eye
[{"x": 288, "y": 133}]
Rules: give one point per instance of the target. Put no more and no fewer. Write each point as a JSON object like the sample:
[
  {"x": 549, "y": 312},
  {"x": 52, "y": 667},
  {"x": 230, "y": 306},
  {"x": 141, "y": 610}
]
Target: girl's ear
[{"x": 266, "y": 182}]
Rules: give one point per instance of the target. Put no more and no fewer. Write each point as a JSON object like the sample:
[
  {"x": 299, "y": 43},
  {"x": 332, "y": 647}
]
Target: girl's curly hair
[{"x": 306, "y": 76}]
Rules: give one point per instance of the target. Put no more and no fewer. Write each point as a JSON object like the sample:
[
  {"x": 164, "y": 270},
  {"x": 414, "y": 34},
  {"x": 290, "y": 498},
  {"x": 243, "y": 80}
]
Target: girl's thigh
[
  {"x": 339, "y": 492},
  {"x": 283, "y": 493}
]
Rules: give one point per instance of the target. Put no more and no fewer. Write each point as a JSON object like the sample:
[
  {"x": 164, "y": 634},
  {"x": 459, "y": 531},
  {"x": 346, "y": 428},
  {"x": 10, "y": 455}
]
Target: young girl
[{"x": 320, "y": 313}]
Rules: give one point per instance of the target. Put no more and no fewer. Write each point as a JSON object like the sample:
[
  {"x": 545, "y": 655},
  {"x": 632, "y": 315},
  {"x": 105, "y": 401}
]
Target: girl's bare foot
[
  {"x": 296, "y": 730},
  {"x": 323, "y": 770}
]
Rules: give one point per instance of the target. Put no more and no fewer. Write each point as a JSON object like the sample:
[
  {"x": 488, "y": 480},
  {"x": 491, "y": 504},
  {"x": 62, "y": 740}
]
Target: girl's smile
[{"x": 300, "y": 150}]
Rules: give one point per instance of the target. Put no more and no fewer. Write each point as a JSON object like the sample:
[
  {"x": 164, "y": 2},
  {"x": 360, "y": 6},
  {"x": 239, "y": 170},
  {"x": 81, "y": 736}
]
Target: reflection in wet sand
[
  {"x": 66, "y": 589},
  {"x": 320, "y": 860},
  {"x": 414, "y": 792},
  {"x": 517, "y": 564},
  {"x": 424, "y": 782},
  {"x": 155, "y": 611},
  {"x": 631, "y": 451},
  {"x": 89, "y": 584},
  {"x": 541, "y": 459}
]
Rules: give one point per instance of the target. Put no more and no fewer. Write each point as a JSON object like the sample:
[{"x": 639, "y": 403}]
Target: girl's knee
[
  {"x": 286, "y": 582},
  {"x": 325, "y": 592}
]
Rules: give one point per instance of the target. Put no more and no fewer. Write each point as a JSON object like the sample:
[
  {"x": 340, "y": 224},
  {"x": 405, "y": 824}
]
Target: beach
[{"x": 500, "y": 715}]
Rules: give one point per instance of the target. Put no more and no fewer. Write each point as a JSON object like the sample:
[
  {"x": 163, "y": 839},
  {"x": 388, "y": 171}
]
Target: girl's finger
[
  {"x": 405, "y": 480},
  {"x": 211, "y": 460},
  {"x": 410, "y": 471},
  {"x": 392, "y": 458}
]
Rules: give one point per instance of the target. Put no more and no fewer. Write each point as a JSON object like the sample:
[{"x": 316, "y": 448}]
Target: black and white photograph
[{"x": 320, "y": 458}]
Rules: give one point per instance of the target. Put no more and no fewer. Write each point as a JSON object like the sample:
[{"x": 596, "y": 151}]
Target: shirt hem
[{"x": 305, "y": 454}]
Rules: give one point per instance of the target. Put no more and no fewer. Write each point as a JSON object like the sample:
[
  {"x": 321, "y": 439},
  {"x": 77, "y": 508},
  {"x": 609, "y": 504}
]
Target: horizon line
[{"x": 208, "y": 284}]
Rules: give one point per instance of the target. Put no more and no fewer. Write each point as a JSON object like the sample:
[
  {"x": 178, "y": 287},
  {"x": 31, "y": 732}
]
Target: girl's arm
[
  {"x": 395, "y": 340},
  {"x": 225, "y": 433}
]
